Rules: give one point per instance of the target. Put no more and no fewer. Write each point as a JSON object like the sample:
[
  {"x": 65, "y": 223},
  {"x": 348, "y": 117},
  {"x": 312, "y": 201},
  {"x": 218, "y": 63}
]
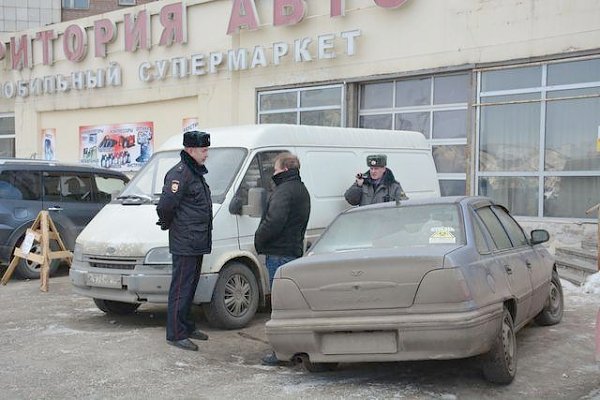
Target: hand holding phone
[{"x": 360, "y": 178}]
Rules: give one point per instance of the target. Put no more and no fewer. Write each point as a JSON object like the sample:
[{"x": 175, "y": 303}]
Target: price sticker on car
[
  {"x": 442, "y": 234},
  {"x": 27, "y": 243}
]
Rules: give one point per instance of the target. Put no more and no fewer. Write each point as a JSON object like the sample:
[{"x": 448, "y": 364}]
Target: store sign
[
  {"x": 286, "y": 12},
  {"x": 173, "y": 24},
  {"x": 121, "y": 147},
  {"x": 74, "y": 39}
]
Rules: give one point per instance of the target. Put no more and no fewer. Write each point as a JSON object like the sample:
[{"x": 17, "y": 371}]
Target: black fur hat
[{"x": 196, "y": 139}]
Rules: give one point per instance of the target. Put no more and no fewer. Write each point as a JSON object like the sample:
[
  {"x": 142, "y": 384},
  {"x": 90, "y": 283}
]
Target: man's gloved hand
[{"x": 163, "y": 225}]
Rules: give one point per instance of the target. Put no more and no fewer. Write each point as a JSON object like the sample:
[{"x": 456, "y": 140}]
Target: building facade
[
  {"x": 506, "y": 91},
  {"x": 75, "y": 9}
]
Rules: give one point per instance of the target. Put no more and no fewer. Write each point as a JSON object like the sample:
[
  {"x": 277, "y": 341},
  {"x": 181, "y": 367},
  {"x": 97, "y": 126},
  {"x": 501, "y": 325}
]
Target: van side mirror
[
  {"x": 256, "y": 202},
  {"x": 235, "y": 207},
  {"x": 539, "y": 236}
]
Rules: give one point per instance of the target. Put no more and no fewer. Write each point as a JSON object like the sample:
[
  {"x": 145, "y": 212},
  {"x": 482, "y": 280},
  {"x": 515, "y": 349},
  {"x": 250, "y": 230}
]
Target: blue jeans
[{"x": 274, "y": 262}]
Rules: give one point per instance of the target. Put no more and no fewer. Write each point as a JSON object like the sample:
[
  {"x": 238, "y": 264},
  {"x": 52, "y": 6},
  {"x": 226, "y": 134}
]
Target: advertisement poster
[
  {"x": 49, "y": 144},
  {"x": 190, "y": 124},
  {"x": 121, "y": 147}
]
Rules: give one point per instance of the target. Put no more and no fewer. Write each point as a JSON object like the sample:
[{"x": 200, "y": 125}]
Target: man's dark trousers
[{"x": 184, "y": 280}]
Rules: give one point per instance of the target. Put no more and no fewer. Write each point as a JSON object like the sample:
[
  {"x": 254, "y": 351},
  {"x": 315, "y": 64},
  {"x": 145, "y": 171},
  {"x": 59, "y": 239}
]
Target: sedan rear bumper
[{"x": 387, "y": 338}]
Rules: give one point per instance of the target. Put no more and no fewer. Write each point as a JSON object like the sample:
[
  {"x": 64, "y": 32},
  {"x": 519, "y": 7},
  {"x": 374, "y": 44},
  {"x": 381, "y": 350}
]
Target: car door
[
  {"x": 540, "y": 279},
  {"x": 69, "y": 200},
  {"x": 511, "y": 259},
  {"x": 20, "y": 203}
]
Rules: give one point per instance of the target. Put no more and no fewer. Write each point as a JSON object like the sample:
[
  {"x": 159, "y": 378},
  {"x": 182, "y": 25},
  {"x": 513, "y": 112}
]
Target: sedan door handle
[
  {"x": 508, "y": 269},
  {"x": 528, "y": 263},
  {"x": 55, "y": 208}
]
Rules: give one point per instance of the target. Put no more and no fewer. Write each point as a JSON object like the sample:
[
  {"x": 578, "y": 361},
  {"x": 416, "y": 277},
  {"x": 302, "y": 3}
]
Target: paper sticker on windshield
[
  {"x": 442, "y": 234},
  {"x": 174, "y": 186}
]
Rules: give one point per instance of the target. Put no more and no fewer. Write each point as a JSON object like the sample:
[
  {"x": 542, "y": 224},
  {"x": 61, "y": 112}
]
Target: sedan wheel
[
  {"x": 552, "y": 312},
  {"x": 500, "y": 363}
]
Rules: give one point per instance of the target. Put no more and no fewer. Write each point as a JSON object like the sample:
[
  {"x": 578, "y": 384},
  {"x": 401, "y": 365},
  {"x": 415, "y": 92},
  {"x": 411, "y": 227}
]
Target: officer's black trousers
[{"x": 184, "y": 280}]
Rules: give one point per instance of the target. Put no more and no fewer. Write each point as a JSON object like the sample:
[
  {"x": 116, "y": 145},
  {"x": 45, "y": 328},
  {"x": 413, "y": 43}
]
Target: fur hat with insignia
[
  {"x": 377, "y": 160},
  {"x": 196, "y": 139}
]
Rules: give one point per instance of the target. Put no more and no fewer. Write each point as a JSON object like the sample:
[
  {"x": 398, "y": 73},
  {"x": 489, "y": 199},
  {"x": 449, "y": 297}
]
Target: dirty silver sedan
[{"x": 438, "y": 279}]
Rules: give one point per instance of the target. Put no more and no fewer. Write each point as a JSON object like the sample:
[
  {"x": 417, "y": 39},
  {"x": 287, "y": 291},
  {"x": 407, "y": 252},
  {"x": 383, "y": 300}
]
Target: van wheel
[
  {"x": 31, "y": 270},
  {"x": 116, "y": 307},
  {"x": 500, "y": 363},
  {"x": 235, "y": 298},
  {"x": 552, "y": 312}
]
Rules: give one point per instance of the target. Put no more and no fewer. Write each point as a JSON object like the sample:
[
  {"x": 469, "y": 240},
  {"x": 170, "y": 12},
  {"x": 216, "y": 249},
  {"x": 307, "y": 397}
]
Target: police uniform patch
[{"x": 174, "y": 186}]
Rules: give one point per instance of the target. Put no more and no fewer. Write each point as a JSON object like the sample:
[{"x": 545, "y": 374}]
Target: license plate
[
  {"x": 378, "y": 342},
  {"x": 103, "y": 280}
]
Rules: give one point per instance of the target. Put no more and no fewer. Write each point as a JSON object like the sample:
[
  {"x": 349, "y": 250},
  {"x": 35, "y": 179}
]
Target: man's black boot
[
  {"x": 185, "y": 344},
  {"x": 198, "y": 335}
]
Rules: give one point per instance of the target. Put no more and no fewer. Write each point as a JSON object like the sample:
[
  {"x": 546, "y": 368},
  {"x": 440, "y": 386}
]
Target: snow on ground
[
  {"x": 592, "y": 284},
  {"x": 588, "y": 292}
]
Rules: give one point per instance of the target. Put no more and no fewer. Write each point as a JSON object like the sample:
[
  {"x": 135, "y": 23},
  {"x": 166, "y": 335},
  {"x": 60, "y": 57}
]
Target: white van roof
[{"x": 272, "y": 135}]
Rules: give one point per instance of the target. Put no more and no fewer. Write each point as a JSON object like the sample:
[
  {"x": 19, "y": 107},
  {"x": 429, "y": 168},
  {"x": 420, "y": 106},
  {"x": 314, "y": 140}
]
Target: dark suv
[{"x": 72, "y": 193}]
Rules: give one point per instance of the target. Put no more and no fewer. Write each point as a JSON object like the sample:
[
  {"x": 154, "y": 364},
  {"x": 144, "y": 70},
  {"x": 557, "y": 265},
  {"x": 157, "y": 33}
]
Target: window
[
  {"x": 480, "y": 242},
  {"x": 305, "y": 106},
  {"x": 494, "y": 227},
  {"x": 67, "y": 187},
  {"x": 20, "y": 185},
  {"x": 437, "y": 107},
  {"x": 7, "y": 135},
  {"x": 76, "y": 4},
  {"x": 258, "y": 175},
  {"x": 127, "y": 2},
  {"x": 515, "y": 232},
  {"x": 106, "y": 186},
  {"x": 538, "y": 150}
]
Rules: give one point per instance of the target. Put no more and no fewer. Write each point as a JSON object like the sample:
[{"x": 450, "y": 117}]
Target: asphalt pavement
[{"x": 58, "y": 345}]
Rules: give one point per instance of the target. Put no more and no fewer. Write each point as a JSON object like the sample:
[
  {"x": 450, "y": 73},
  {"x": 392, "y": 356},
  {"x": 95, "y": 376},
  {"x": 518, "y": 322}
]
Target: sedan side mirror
[{"x": 539, "y": 236}]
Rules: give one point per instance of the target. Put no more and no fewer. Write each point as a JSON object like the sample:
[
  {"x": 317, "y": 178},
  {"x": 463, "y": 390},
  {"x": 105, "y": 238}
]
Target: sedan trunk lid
[{"x": 364, "y": 279}]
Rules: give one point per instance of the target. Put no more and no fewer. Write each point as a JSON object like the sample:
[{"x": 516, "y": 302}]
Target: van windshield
[{"x": 222, "y": 164}]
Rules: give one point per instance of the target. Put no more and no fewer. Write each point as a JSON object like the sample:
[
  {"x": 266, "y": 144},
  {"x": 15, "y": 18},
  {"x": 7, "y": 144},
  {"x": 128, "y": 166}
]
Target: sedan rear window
[{"x": 425, "y": 225}]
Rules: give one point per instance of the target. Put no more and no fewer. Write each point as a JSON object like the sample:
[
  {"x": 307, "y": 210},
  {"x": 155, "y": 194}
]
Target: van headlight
[
  {"x": 158, "y": 255},
  {"x": 78, "y": 253}
]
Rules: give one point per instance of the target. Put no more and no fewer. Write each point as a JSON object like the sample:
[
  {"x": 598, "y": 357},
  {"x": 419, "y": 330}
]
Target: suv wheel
[{"x": 31, "y": 270}]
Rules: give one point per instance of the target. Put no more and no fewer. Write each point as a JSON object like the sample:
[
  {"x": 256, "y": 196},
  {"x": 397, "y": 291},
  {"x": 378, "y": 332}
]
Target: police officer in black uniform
[{"x": 185, "y": 209}]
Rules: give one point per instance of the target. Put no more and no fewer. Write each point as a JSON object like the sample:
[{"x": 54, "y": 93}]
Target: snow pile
[{"x": 592, "y": 284}]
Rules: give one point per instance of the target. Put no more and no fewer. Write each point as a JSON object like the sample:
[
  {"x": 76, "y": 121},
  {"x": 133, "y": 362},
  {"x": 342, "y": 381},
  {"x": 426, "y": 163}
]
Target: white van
[{"x": 122, "y": 259}]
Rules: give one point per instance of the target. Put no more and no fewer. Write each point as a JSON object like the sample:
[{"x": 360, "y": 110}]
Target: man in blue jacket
[{"x": 185, "y": 209}]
